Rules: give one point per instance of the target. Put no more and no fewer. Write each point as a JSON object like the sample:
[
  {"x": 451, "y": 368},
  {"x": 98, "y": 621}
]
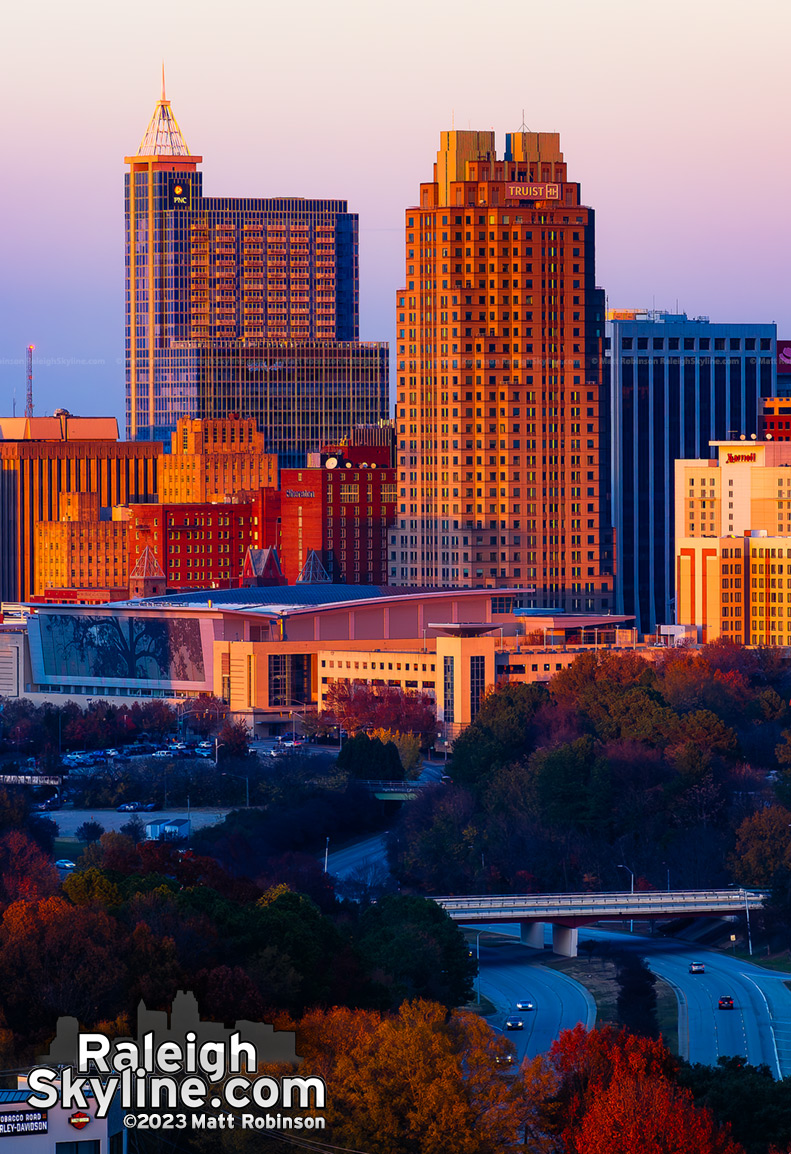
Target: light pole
[
  {"x": 478, "y": 959},
  {"x": 631, "y": 875},
  {"x": 749, "y": 934},
  {"x": 326, "y": 854},
  {"x": 246, "y": 781},
  {"x": 218, "y": 745}
]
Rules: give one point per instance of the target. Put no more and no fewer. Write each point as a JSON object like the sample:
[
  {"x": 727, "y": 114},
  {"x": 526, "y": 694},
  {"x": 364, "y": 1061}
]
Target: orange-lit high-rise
[{"x": 500, "y": 407}]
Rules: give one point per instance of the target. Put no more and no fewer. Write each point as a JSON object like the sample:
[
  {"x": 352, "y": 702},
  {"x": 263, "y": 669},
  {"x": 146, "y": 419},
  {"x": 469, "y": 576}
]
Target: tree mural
[{"x": 123, "y": 646}]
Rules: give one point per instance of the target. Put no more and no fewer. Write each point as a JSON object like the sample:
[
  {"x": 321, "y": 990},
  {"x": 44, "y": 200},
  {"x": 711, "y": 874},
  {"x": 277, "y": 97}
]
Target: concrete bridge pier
[
  {"x": 564, "y": 940},
  {"x": 532, "y": 934}
]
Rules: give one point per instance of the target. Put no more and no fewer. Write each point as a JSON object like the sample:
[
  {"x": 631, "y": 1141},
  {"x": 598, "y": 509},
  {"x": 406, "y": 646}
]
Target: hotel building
[
  {"x": 677, "y": 383},
  {"x": 733, "y": 543},
  {"x": 241, "y": 306},
  {"x": 502, "y": 418}
]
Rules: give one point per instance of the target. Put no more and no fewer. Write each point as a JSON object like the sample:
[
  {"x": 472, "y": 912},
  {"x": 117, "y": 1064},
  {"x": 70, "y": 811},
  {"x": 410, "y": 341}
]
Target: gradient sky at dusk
[{"x": 672, "y": 116}]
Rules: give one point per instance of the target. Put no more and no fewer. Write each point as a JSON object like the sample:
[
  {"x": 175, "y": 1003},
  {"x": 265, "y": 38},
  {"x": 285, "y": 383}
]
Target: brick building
[
  {"x": 82, "y": 550},
  {"x": 197, "y": 546}
]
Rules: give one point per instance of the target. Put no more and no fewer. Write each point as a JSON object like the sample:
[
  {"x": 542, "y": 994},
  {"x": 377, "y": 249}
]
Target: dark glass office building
[
  {"x": 676, "y": 384},
  {"x": 244, "y": 306}
]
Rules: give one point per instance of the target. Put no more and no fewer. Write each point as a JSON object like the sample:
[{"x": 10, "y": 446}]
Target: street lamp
[
  {"x": 749, "y": 934},
  {"x": 246, "y": 781},
  {"x": 478, "y": 959},
  {"x": 218, "y": 745},
  {"x": 326, "y": 853},
  {"x": 631, "y": 874}
]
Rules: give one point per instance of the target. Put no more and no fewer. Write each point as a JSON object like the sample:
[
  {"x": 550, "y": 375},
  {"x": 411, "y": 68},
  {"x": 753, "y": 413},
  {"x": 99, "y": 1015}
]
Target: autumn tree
[
  {"x": 26, "y": 874},
  {"x": 417, "y": 1082},
  {"x": 763, "y": 846},
  {"x": 617, "y": 1092}
]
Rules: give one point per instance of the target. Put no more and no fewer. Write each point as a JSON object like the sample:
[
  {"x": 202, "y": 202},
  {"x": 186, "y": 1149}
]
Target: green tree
[
  {"x": 416, "y": 950},
  {"x": 502, "y": 733},
  {"x": 368, "y": 759}
]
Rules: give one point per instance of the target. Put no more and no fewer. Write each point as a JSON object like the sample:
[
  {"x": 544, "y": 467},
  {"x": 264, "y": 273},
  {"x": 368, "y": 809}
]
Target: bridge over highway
[{"x": 567, "y": 912}]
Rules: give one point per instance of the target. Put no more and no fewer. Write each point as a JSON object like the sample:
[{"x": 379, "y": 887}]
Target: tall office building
[
  {"x": 241, "y": 306},
  {"x": 501, "y": 415},
  {"x": 677, "y": 383}
]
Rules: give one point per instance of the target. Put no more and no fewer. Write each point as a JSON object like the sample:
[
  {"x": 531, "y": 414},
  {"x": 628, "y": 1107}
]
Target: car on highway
[
  {"x": 504, "y": 1059},
  {"x": 725, "y": 1002},
  {"x": 697, "y": 968},
  {"x": 64, "y": 864},
  {"x": 525, "y": 1004},
  {"x": 514, "y": 1022}
]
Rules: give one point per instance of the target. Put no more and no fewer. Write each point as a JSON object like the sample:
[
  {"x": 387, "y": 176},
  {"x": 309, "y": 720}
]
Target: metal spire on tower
[{"x": 29, "y": 394}]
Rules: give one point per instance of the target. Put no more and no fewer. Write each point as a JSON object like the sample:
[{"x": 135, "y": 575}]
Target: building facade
[
  {"x": 241, "y": 305},
  {"x": 197, "y": 546},
  {"x": 733, "y": 542},
  {"x": 215, "y": 461},
  {"x": 44, "y": 459},
  {"x": 85, "y": 549},
  {"x": 501, "y": 414},
  {"x": 677, "y": 383}
]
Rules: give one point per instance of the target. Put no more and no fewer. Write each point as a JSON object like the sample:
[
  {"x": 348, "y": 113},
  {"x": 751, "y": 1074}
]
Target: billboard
[
  {"x": 122, "y": 648},
  {"x": 783, "y": 358}
]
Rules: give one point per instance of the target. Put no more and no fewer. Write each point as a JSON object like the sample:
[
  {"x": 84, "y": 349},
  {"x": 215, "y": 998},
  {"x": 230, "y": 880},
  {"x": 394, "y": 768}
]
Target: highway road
[
  {"x": 367, "y": 852},
  {"x": 511, "y": 973},
  {"x": 758, "y": 1028}
]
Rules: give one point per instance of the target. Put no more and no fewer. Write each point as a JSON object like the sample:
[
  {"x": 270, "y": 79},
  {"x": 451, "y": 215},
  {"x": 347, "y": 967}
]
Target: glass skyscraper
[
  {"x": 677, "y": 383},
  {"x": 241, "y": 306}
]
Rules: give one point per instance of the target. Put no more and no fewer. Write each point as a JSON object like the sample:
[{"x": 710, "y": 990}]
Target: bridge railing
[{"x": 602, "y": 904}]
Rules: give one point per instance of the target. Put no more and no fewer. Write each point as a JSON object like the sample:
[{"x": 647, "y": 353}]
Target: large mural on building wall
[{"x": 121, "y": 647}]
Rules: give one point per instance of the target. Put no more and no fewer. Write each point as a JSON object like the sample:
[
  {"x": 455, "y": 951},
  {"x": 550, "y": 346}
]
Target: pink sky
[{"x": 673, "y": 118}]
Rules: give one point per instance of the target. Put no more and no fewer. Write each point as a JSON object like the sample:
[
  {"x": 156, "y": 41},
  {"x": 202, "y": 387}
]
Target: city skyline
[{"x": 682, "y": 100}]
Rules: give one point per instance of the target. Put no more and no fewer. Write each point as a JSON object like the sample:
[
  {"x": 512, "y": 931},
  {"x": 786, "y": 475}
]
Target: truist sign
[
  {"x": 533, "y": 191},
  {"x": 739, "y": 458}
]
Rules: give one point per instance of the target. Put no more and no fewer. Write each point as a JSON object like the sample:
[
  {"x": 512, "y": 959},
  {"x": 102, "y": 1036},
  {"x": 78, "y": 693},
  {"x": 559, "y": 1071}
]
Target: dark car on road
[
  {"x": 725, "y": 1002},
  {"x": 514, "y": 1022}
]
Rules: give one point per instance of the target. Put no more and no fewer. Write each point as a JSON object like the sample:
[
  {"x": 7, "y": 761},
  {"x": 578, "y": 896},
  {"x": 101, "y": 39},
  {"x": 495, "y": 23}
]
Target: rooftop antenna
[
  {"x": 29, "y": 394},
  {"x": 524, "y": 127},
  {"x": 163, "y": 97}
]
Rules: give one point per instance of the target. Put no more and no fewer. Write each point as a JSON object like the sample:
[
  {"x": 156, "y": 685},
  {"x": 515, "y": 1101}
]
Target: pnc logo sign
[{"x": 737, "y": 458}]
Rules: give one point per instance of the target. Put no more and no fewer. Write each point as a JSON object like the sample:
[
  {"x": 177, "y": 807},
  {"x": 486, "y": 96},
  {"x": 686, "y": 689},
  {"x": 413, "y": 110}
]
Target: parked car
[
  {"x": 149, "y": 807},
  {"x": 697, "y": 968},
  {"x": 514, "y": 1022},
  {"x": 64, "y": 864},
  {"x": 204, "y": 753},
  {"x": 162, "y": 753},
  {"x": 725, "y": 1002},
  {"x": 128, "y": 807}
]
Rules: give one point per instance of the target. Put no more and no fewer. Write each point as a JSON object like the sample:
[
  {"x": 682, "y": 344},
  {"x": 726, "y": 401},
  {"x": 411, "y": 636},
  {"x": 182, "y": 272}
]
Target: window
[
  {"x": 448, "y": 689},
  {"x": 477, "y": 684}
]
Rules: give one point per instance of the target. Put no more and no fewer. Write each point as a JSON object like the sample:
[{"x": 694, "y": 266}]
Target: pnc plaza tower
[
  {"x": 241, "y": 307},
  {"x": 501, "y": 407}
]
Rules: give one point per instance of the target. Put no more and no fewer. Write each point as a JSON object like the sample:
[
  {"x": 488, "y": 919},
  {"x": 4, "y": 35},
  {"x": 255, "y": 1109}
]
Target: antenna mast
[{"x": 29, "y": 395}]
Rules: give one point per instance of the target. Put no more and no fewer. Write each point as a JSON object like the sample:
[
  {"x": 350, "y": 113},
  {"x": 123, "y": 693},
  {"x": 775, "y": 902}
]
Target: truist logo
[{"x": 737, "y": 458}]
